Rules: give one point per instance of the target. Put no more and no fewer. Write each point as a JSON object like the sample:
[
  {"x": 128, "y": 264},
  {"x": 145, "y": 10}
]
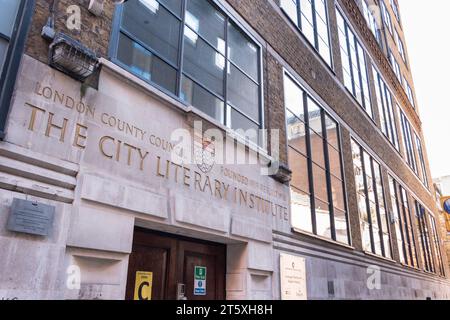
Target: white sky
[{"x": 427, "y": 40}]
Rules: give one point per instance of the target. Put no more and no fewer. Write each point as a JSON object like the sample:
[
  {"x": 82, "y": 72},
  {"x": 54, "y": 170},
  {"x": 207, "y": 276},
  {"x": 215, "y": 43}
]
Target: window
[
  {"x": 395, "y": 66},
  {"x": 424, "y": 238},
  {"x": 310, "y": 16},
  {"x": 421, "y": 160},
  {"x": 400, "y": 46},
  {"x": 371, "y": 203},
  {"x": 409, "y": 92},
  {"x": 199, "y": 55},
  {"x": 436, "y": 244},
  {"x": 386, "y": 110},
  {"x": 386, "y": 17},
  {"x": 395, "y": 9},
  {"x": 403, "y": 224},
  {"x": 369, "y": 15},
  {"x": 318, "y": 203},
  {"x": 354, "y": 65},
  {"x": 15, "y": 17},
  {"x": 408, "y": 140}
]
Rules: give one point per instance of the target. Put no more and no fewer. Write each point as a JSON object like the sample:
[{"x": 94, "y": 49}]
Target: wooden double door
[{"x": 177, "y": 267}]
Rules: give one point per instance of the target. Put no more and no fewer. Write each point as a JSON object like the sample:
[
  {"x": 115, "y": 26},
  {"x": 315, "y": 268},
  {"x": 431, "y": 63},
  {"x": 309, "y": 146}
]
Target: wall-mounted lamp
[{"x": 71, "y": 57}]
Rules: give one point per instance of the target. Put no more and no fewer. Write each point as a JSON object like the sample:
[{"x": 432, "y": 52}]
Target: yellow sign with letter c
[{"x": 143, "y": 285}]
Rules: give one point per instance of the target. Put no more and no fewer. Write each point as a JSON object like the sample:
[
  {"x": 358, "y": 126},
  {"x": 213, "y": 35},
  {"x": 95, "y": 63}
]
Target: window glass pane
[
  {"x": 337, "y": 190},
  {"x": 243, "y": 93},
  {"x": 146, "y": 65},
  {"x": 323, "y": 218},
  {"x": 240, "y": 122},
  {"x": 335, "y": 162},
  {"x": 153, "y": 25},
  {"x": 8, "y": 15},
  {"x": 290, "y": 7},
  {"x": 242, "y": 51},
  {"x": 301, "y": 210},
  {"x": 205, "y": 20},
  {"x": 340, "y": 222},
  {"x": 293, "y": 97},
  {"x": 320, "y": 183},
  {"x": 332, "y": 134},
  {"x": 3, "y": 51},
  {"x": 296, "y": 132},
  {"x": 315, "y": 116},
  {"x": 174, "y": 5},
  {"x": 198, "y": 97},
  {"x": 203, "y": 63},
  {"x": 317, "y": 153},
  {"x": 299, "y": 167}
]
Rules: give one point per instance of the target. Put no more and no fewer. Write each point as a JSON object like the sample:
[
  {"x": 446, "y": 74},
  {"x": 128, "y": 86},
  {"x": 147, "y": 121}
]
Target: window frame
[
  {"x": 299, "y": 28},
  {"x": 362, "y": 153},
  {"x": 357, "y": 43},
  {"x": 420, "y": 153},
  {"x": 13, "y": 57},
  {"x": 229, "y": 19},
  {"x": 386, "y": 17},
  {"x": 310, "y": 163},
  {"x": 387, "y": 113},
  {"x": 410, "y": 152}
]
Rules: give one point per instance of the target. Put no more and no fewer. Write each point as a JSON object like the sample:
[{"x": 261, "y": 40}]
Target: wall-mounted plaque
[
  {"x": 30, "y": 217},
  {"x": 292, "y": 277}
]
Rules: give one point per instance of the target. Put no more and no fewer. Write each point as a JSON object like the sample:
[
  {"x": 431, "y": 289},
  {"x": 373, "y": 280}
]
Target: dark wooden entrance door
[{"x": 172, "y": 261}]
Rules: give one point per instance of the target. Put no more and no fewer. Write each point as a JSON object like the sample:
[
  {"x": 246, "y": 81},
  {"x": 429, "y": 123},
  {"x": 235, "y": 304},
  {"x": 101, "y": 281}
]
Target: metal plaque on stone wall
[{"x": 31, "y": 217}]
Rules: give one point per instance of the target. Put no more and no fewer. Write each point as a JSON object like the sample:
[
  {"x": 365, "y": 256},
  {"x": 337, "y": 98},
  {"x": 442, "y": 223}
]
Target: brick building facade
[{"x": 352, "y": 197}]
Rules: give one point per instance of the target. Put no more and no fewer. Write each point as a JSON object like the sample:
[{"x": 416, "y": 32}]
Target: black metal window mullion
[
  {"x": 310, "y": 165},
  {"x": 225, "y": 82},
  {"x": 314, "y": 16},
  {"x": 422, "y": 237},
  {"x": 366, "y": 189},
  {"x": 328, "y": 175},
  {"x": 181, "y": 48}
]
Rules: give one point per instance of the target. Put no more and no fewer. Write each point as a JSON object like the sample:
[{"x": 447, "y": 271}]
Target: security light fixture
[{"x": 71, "y": 57}]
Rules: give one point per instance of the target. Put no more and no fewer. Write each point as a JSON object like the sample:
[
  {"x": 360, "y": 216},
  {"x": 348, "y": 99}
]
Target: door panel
[{"x": 172, "y": 260}]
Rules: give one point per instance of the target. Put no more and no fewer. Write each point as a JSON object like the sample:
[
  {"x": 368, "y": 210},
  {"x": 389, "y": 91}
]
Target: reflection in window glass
[
  {"x": 318, "y": 205},
  {"x": 146, "y": 65},
  {"x": 386, "y": 110},
  {"x": 371, "y": 203},
  {"x": 216, "y": 69},
  {"x": 310, "y": 16},
  {"x": 354, "y": 65}
]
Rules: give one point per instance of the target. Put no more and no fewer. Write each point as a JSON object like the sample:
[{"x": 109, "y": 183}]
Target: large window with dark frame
[
  {"x": 424, "y": 238},
  {"x": 386, "y": 17},
  {"x": 386, "y": 109},
  {"x": 369, "y": 15},
  {"x": 318, "y": 202},
  {"x": 373, "y": 215},
  {"x": 409, "y": 92},
  {"x": 400, "y": 46},
  {"x": 436, "y": 244},
  {"x": 409, "y": 144},
  {"x": 420, "y": 153},
  {"x": 192, "y": 49},
  {"x": 311, "y": 17},
  {"x": 395, "y": 66},
  {"x": 354, "y": 65},
  {"x": 8, "y": 15},
  {"x": 403, "y": 224},
  {"x": 395, "y": 9}
]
